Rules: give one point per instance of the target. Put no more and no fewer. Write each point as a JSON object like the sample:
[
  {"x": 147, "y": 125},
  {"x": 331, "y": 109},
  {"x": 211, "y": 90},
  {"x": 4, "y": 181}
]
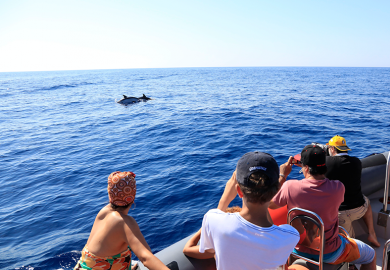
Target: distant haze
[{"x": 74, "y": 35}]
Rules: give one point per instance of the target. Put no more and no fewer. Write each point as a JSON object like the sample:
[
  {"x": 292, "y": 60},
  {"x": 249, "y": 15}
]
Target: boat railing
[
  {"x": 384, "y": 213},
  {"x": 385, "y": 255},
  {"x": 311, "y": 217}
]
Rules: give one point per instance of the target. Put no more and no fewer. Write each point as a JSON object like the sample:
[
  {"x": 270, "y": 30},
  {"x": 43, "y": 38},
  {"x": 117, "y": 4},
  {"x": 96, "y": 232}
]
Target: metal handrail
[
  {"x": 322, "y": 238},
  {"x": 386, "y": 195},
  {"x": 385, "y": 251}
]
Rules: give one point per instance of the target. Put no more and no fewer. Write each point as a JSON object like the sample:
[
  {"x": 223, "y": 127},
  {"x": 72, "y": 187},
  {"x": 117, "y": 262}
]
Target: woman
[{"x": 115, "y": 234}]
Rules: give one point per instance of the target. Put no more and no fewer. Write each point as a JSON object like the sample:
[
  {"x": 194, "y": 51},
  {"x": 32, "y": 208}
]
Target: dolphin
[
  {"x": 131, "y": 100},
  {"x": 144, "y": 98}
]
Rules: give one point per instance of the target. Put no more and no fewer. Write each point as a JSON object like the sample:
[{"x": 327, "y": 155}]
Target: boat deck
[{"x": 383, "y": 233}]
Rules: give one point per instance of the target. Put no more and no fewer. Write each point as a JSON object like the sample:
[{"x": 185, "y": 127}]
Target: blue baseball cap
[{"x": 256, "y": 162}]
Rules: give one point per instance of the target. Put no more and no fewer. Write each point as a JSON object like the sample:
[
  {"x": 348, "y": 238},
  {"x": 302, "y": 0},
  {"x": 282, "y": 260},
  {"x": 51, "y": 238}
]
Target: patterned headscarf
[{"x": 121, "y": 188}]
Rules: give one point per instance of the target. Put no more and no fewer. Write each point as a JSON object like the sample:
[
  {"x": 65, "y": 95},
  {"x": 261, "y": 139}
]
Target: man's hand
[{"x": 285, "y": 169}]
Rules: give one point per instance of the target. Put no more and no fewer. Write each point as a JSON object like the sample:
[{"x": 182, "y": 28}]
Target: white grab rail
[
  {"x": 385, "y": 257},
  {"x": 386, "y": 193},
  {"x": 322, "y": 238}
]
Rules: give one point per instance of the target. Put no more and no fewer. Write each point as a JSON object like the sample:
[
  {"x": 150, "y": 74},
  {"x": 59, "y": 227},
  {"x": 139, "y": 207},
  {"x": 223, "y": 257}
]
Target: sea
[{"x": 62, "y": 134}]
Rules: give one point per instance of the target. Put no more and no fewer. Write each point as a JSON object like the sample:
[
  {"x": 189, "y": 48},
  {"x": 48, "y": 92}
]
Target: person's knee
[{"x": 367, "y": 254}]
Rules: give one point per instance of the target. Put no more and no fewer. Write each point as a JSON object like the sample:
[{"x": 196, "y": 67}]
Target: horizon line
[{"x": 56, "y": 70}]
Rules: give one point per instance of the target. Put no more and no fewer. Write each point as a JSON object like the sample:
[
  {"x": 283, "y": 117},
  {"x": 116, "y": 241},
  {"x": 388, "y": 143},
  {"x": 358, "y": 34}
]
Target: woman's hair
[
  {"x": 262, "y": 190},
  {"x": 233, "y": 209},
  {"x": 116, "y": 207}
]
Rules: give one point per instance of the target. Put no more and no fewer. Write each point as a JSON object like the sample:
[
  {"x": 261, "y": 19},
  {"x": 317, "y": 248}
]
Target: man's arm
[
  {"x": 191, "y": 248},
  {"x": 229, "y": 193}
]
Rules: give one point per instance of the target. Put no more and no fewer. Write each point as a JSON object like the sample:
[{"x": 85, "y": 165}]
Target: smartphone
[{"x": 295, "y": 161}]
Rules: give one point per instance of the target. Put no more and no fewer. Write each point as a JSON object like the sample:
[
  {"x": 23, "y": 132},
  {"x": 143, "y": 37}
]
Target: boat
[{"x": 375, "y": 185}]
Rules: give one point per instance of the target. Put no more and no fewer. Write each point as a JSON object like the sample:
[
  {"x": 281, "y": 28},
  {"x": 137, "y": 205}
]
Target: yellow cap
[{"x": 338, "y": 142}]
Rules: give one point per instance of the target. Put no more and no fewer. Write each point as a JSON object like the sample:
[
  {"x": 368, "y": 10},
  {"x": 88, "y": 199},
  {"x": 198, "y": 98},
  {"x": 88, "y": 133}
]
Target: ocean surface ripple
[{"x": 63, "y": 134}]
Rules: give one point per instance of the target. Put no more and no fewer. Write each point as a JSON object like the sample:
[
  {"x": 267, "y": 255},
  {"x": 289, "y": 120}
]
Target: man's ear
[
  {"x": 305, "y": 169},
  {"x": 239, "y": 191}
]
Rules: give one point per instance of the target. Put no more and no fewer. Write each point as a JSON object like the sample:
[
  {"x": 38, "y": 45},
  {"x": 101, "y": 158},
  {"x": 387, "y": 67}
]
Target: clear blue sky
[{"x": 107, "y": 34}]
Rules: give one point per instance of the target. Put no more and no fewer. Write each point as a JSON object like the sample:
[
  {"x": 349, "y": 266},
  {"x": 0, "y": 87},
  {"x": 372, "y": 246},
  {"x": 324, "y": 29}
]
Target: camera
[{"x": 323, "y": 146}]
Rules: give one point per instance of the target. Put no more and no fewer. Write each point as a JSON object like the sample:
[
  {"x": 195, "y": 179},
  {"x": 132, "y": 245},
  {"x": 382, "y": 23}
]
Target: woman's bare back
[{"x": 108, "y": 236}]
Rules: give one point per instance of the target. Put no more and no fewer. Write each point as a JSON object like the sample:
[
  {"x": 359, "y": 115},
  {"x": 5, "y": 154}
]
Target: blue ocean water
[{"x": 62, "y": 134}]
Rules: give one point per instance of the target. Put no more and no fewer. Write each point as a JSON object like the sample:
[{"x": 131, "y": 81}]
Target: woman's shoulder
[
  {"x": 104, "y": 212},
  {"x": 117, "y": 218},
  {"x": 129, "y": 220},
  {"x": 112, "y": 216}
]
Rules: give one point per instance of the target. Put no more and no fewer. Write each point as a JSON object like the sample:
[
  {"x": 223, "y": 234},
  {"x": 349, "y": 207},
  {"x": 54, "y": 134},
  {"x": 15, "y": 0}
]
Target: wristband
[{"x": 283, "y": 176}]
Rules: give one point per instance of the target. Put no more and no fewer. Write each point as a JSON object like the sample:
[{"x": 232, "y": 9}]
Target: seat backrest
[{"x": 311, "y": 226}]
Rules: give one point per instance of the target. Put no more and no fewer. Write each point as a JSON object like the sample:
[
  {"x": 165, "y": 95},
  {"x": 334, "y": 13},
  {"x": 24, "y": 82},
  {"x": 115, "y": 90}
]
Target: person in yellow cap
[{"x": 348, "y": 170}]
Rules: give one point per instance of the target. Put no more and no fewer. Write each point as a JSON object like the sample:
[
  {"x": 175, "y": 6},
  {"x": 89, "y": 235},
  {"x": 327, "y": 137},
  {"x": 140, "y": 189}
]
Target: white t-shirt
[{"x": 239, "y": 244}]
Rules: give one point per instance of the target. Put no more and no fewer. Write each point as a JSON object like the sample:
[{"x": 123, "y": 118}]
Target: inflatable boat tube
[
  {"x": 373, "y": 179},
  {"x": 373, "y": 173}
]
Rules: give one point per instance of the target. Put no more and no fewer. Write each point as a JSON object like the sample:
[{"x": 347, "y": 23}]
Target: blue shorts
[{"x": 367, "y": 253}]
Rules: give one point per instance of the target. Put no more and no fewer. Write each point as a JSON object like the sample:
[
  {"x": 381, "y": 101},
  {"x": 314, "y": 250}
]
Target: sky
[{"x": 44, "y": 35}]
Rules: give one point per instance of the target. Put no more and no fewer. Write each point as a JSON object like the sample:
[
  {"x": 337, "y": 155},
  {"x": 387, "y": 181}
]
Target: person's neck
[
  {"x": 307, "y": 174},
  {"x": 122, "y": 211},
  {"x": 256, "y": 213},
  {"x": 316, "y": 177}
]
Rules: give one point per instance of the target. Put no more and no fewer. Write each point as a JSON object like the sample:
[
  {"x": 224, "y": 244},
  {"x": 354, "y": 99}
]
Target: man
[
  {"x": 348, "y": 170},
  {"x": 248, "y": 239},
  {"x": 318, "y": 194}
]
